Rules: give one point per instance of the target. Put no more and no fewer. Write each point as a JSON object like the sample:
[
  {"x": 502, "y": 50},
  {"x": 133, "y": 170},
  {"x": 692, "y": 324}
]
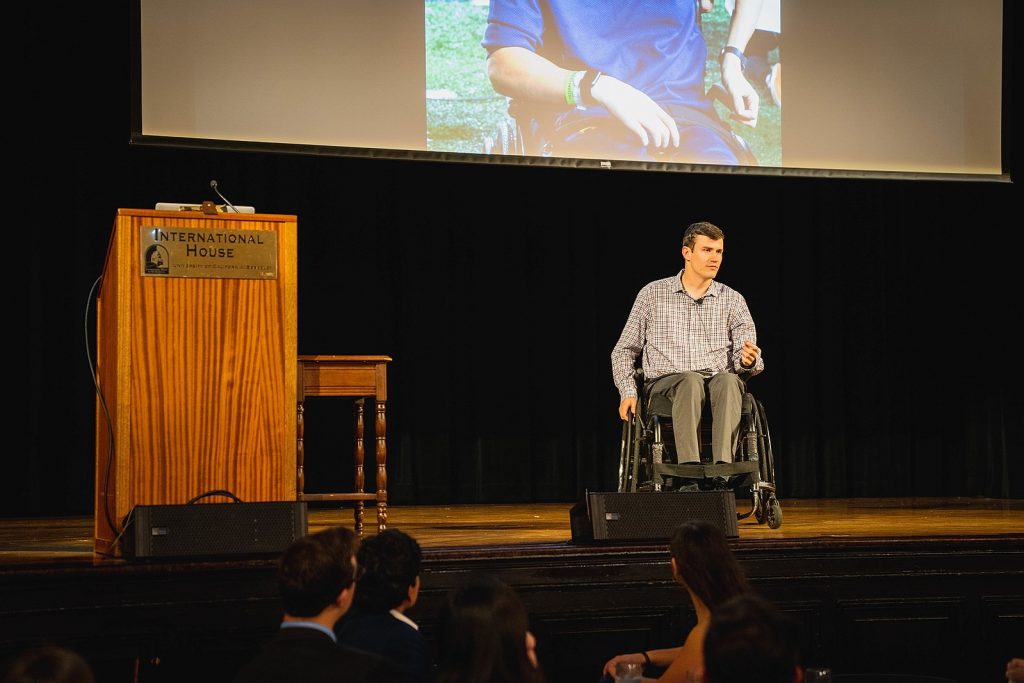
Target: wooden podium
[{"x": 196, "y": 362}]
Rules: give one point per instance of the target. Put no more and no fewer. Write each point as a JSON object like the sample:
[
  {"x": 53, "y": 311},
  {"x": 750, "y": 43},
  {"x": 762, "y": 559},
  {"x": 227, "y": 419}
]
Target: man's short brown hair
[
  {"x": 315, "y": 569},
  {"x": 709, "y": 230}
]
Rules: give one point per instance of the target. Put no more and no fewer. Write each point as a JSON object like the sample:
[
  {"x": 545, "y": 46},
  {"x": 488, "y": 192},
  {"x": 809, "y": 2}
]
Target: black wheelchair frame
[{"x": 642, "y": 465}]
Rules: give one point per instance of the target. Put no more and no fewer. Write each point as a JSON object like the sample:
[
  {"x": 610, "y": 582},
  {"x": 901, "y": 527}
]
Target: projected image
[
  {"x": 515, "y": 81},
  {"x": 648, "y": 85}
]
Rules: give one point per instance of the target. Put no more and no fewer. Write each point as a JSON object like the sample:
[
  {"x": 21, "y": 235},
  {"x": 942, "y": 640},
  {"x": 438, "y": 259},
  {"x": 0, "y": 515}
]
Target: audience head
[
  {"x": 391, "y": 560},
  {"x": 316, "y": 569},
  {"x": 484, "y": 637},
  {"x": 49, "y": 664},
  {"x": 750, "y": 641},
  {"x": 704, "y": 562}
]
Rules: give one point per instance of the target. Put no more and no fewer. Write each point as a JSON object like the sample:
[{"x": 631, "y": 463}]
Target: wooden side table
[{"x": 361, "y": 378}]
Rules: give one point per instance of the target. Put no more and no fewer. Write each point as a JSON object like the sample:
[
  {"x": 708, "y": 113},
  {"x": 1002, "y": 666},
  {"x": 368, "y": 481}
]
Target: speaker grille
[
  {"x": 214, "y": 529},
  {"x": 654, "y": 515}
]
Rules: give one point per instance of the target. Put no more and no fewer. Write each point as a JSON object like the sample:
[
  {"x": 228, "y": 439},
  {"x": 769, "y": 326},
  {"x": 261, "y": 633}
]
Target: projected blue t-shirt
[{"x": 655, "y": 46}]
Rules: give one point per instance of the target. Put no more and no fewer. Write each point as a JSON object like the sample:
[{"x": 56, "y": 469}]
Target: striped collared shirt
[{"x": 676, "y": 332}]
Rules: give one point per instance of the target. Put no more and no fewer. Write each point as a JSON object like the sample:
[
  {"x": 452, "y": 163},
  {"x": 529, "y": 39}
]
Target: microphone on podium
[{"x": 213, "y": 184}]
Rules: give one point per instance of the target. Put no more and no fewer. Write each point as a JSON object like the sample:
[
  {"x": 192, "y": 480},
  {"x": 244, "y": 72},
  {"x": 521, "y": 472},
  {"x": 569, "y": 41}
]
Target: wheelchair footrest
[{"x": 702, "y": 471}]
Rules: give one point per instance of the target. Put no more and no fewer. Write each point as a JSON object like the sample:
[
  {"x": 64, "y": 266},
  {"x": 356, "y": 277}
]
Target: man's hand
[
  {"x": 749, "y": 353},
  {"x": 627, "y": 408},
  {"x": 638, "y": 112},
  {"x": 1015, "y": 670}
]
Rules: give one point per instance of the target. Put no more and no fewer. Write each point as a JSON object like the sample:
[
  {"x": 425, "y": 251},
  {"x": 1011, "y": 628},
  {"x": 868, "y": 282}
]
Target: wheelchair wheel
[
  {"x": 745, "y": 491},
  {"x": 773, "y": 513},
  {"x": 764, "y": 444},
  {"x": 627, "y": 453},
  {"x": 633, "y": 452},
  {"x": 504, "y": 141},
  {"x": 760, "y": 514}
]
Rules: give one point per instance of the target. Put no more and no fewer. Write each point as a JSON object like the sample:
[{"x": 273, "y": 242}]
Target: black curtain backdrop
[{"x": 887, "y": 309}]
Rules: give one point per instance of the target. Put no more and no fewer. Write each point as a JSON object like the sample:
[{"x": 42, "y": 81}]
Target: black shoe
[{"x": 714, "y": 484}]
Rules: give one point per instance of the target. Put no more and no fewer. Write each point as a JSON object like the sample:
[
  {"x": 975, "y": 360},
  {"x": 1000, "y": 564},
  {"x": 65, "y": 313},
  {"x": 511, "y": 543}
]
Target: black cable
[
  {"x": 125, "y": 525},
  {"x": 218, "y": 492},
  {"x": 93, "y": 371},
  {"x": 699, "y": 303}
]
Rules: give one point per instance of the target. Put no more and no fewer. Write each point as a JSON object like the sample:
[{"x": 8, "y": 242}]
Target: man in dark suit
[
  {"x": 378, "y": 622},
  {"x": 317, "y": 576}
]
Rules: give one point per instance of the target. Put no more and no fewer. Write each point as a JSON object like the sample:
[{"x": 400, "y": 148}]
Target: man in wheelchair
[
  {"x": 620, "y": 80},
  {"x": 696, "y": 341}
]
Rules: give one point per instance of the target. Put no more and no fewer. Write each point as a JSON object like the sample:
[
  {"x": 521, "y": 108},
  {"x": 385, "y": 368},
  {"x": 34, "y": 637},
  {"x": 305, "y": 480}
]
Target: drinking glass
[{"x": 628, "y": 672}]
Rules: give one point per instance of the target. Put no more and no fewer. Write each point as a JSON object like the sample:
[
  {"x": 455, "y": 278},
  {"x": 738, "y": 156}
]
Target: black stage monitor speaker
[
  {"x": 649, "y": 516},
  {"x": 212, "y": 529}
]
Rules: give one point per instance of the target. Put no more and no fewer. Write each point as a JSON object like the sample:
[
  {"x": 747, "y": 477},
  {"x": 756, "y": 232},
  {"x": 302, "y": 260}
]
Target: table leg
[
  {"x": 300, "y": 451},
  {"x": 360, "y": 456},
  {"x": 380, "y": 425}
]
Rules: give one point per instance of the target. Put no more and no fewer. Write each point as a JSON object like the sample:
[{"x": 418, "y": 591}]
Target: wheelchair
[
  {"x": 531, "y": 129},
  {"x": 647, "y": 456},
  {"x": 526, "y": 130}
]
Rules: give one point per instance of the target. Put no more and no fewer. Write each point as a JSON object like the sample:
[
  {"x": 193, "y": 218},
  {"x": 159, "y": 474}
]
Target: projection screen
[{"x": 872, "y": 87}]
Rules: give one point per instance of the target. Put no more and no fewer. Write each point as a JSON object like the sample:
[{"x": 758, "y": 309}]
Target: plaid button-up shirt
[{"x": 676, "y": 333}]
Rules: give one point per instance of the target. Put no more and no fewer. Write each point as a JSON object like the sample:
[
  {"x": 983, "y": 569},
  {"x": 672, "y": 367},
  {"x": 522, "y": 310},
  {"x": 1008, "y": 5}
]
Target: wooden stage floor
[
  {"x": 803, "y": 520},
  {"x": 448, "y": 528}
]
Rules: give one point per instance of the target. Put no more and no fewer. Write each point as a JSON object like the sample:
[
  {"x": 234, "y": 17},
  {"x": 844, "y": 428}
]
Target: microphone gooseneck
[{"x": 213, "y": 184}]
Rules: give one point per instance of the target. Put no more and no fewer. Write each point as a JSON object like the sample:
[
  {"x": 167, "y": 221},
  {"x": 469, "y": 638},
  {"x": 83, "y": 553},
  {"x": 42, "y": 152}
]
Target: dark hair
[
  {"x": 315, "y": 569},
  {"x": 750, "y": 641},
  {"x": 706, "y": 562},
  {"x": 391, "y": 560},
  {"x": 482, "y": 635},
  {"x": 49, "y": 664},
  {"x": 709, "y": 230}
]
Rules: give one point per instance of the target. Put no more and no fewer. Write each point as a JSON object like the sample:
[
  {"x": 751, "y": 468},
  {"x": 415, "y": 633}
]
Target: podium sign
[
  {"x": 196, "y": 362},
  {"x": 187, "y": 252}
]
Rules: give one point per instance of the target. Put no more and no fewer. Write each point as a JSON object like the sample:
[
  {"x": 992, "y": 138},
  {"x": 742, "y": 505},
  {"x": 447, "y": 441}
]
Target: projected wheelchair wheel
[{"x": 504, "y": 141}]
